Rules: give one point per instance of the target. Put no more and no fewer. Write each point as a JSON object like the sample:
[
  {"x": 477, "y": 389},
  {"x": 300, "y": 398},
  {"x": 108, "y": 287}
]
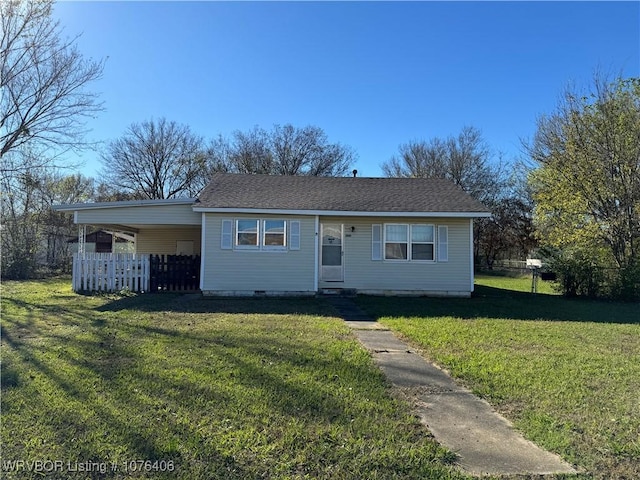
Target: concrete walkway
[{"x": 485, "y": 442}]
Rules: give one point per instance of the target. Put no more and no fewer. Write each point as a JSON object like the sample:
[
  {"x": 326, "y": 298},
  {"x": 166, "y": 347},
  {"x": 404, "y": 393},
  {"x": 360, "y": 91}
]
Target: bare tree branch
[
  {"x": 285, "y": 150},
  {"x": 156, "y": 159},
  {"x": 43, "y": 100}
]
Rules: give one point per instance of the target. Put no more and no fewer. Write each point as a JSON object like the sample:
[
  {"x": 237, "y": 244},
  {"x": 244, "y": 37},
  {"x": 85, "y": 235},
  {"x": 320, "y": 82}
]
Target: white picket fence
[{"x": 111, "y": 272}]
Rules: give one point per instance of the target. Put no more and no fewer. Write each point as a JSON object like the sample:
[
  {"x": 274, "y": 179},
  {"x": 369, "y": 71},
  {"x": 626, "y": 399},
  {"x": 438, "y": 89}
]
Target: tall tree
[
  {"x": 284, "y": 150},
  {"x": 44, "y": 105},
  {"x": 467, "y": 161},
  {"x": 57, "y": 227},
  {"x": 34, "y": 236},
  {"x": 509, "y": 232},
  {"x": 587, "y": 184},
  {"x": 155, "y": 160},
  {"x": 464, "y": 159},
  {"x": 43, "y": 78}
]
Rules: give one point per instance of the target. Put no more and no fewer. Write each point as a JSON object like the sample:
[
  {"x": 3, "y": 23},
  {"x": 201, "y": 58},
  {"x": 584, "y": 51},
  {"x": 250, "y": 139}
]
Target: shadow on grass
[
  {"x": 195, "y": 303},
  {"x": 491, "y": 302},
  {"x": 132, "y": 378},
  {"x": 60, "y": 372}
]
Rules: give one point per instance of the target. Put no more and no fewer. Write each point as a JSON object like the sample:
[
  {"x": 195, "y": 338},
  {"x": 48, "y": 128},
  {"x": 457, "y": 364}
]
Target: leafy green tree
[{"x": 587, "y": 182}]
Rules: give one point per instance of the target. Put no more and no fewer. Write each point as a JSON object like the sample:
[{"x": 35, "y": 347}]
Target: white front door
[{"x": 331, "y": 265}]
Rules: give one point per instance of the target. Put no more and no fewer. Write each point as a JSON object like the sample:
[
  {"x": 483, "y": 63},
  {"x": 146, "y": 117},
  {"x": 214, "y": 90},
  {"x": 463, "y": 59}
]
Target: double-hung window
[
  {"x": 396, "y": 241},
  {"x": 409, "y": 242},
  {"x": 274, "y": 234},
  {"x": 422, "y": 242},
  {"x": 247, "y": 233},
  {"x": 254, "y": 234}
]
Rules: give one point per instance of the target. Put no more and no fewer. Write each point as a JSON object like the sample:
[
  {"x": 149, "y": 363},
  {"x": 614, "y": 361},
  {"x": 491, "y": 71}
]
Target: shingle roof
[{"x": 336, "y": 194}]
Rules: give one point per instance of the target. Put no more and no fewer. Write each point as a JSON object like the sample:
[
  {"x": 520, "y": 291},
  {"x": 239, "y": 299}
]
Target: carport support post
[{"x": 82, "y": 236}]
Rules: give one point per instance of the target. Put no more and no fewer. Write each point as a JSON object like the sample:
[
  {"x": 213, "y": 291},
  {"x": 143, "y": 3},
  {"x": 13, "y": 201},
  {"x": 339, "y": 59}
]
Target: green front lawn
[
  {"x": 201, "y": 389},
  {"x": 566, "y": 372}
]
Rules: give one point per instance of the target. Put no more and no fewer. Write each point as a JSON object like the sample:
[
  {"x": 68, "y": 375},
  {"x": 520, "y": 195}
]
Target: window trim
[
  {"x": 263, "y": 245},
  {"x": 409, "y": 243},
  {"x": 432, "y": 242},
  {"x": 261, "y": 232},
  {"x": 236, "y": 244},
  {"x": 385, "y": 242}
]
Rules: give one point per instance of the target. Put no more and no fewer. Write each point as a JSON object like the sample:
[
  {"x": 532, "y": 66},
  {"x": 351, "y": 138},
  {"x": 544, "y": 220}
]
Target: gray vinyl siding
[
  {"x": 140, "y": 215},
  {"x": 246, "y": 271},
  {"x": 163, "y": 241},
  {"x": 362, "y": 273}
]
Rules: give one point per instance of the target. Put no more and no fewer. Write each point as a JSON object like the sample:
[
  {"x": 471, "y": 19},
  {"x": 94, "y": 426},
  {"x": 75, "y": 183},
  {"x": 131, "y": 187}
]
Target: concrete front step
[{"x": 338, "y": 292}]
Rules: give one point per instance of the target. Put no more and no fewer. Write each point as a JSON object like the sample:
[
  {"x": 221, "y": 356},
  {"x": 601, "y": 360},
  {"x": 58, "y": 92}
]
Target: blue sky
[{"x": 373, "y": 75}]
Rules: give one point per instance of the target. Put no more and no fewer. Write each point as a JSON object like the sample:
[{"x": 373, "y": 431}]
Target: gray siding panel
[
  {"x": 140, "y": 215},
  {"x": 241, "y": 271},
  {"x": 249, "y": 271},
  {"x": 362, "y": 273}
]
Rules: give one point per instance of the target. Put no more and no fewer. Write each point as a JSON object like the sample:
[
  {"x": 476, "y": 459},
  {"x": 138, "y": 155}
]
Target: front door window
[{"x": 331, "y": 254}]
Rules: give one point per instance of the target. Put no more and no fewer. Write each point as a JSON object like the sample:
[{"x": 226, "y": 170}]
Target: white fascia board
[
  {"x": 339, "y": 213},
  {"x": 69, "y": 207}
]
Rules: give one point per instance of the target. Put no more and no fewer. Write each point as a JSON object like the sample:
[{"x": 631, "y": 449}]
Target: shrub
[
  {"x": 626, "y": 284},
  {"x": 577, "y": 275}
]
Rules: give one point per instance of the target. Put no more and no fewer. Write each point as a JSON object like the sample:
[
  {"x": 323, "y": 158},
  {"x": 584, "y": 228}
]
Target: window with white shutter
[
  {"x": 376, "y": 242},
  {"x": 226, "y": 239},
  {"x": 294, "y": 235},
  {"x": 443, "y": 243}
]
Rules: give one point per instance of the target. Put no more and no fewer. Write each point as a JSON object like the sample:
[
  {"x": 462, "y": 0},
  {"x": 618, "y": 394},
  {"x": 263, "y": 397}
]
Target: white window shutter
[
  {"x": 443, "y": 243},
  {"x": 294, "y": 235},
  {"x": 376, "y": 242},
  {"x": 226, "y": 239}
]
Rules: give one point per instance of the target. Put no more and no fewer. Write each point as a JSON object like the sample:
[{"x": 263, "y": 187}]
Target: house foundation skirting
[
  {"x": 255, "y": 293},
  {"x": 380, "y": 293},
  {"x": 416, "y": 293}
]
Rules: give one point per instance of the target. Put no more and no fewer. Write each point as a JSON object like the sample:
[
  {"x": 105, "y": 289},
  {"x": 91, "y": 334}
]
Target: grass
[
  {"x": 566, "y": 372},
  {"x": 224, "y": 388}
]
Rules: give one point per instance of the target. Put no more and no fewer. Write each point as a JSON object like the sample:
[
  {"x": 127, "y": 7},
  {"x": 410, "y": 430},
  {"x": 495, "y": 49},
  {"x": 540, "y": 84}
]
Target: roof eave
[
  {"x": 342, "y": 213},
  {"x": 71, "y": 207}
]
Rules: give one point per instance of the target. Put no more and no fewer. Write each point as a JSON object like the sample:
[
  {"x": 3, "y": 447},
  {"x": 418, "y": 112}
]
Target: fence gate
[{"x": 174, "y": 273}]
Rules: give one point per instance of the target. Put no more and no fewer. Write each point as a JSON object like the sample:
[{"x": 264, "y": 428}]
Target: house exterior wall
[
  {"x": 140, "y": 215},
  {"x": 234, "y": 271},
  {"x": 245, "y": 272},
  {"x": 163, "y": 241},
  {"x": 90, "y": 247},
  {"x": 453, "y": 277}
]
